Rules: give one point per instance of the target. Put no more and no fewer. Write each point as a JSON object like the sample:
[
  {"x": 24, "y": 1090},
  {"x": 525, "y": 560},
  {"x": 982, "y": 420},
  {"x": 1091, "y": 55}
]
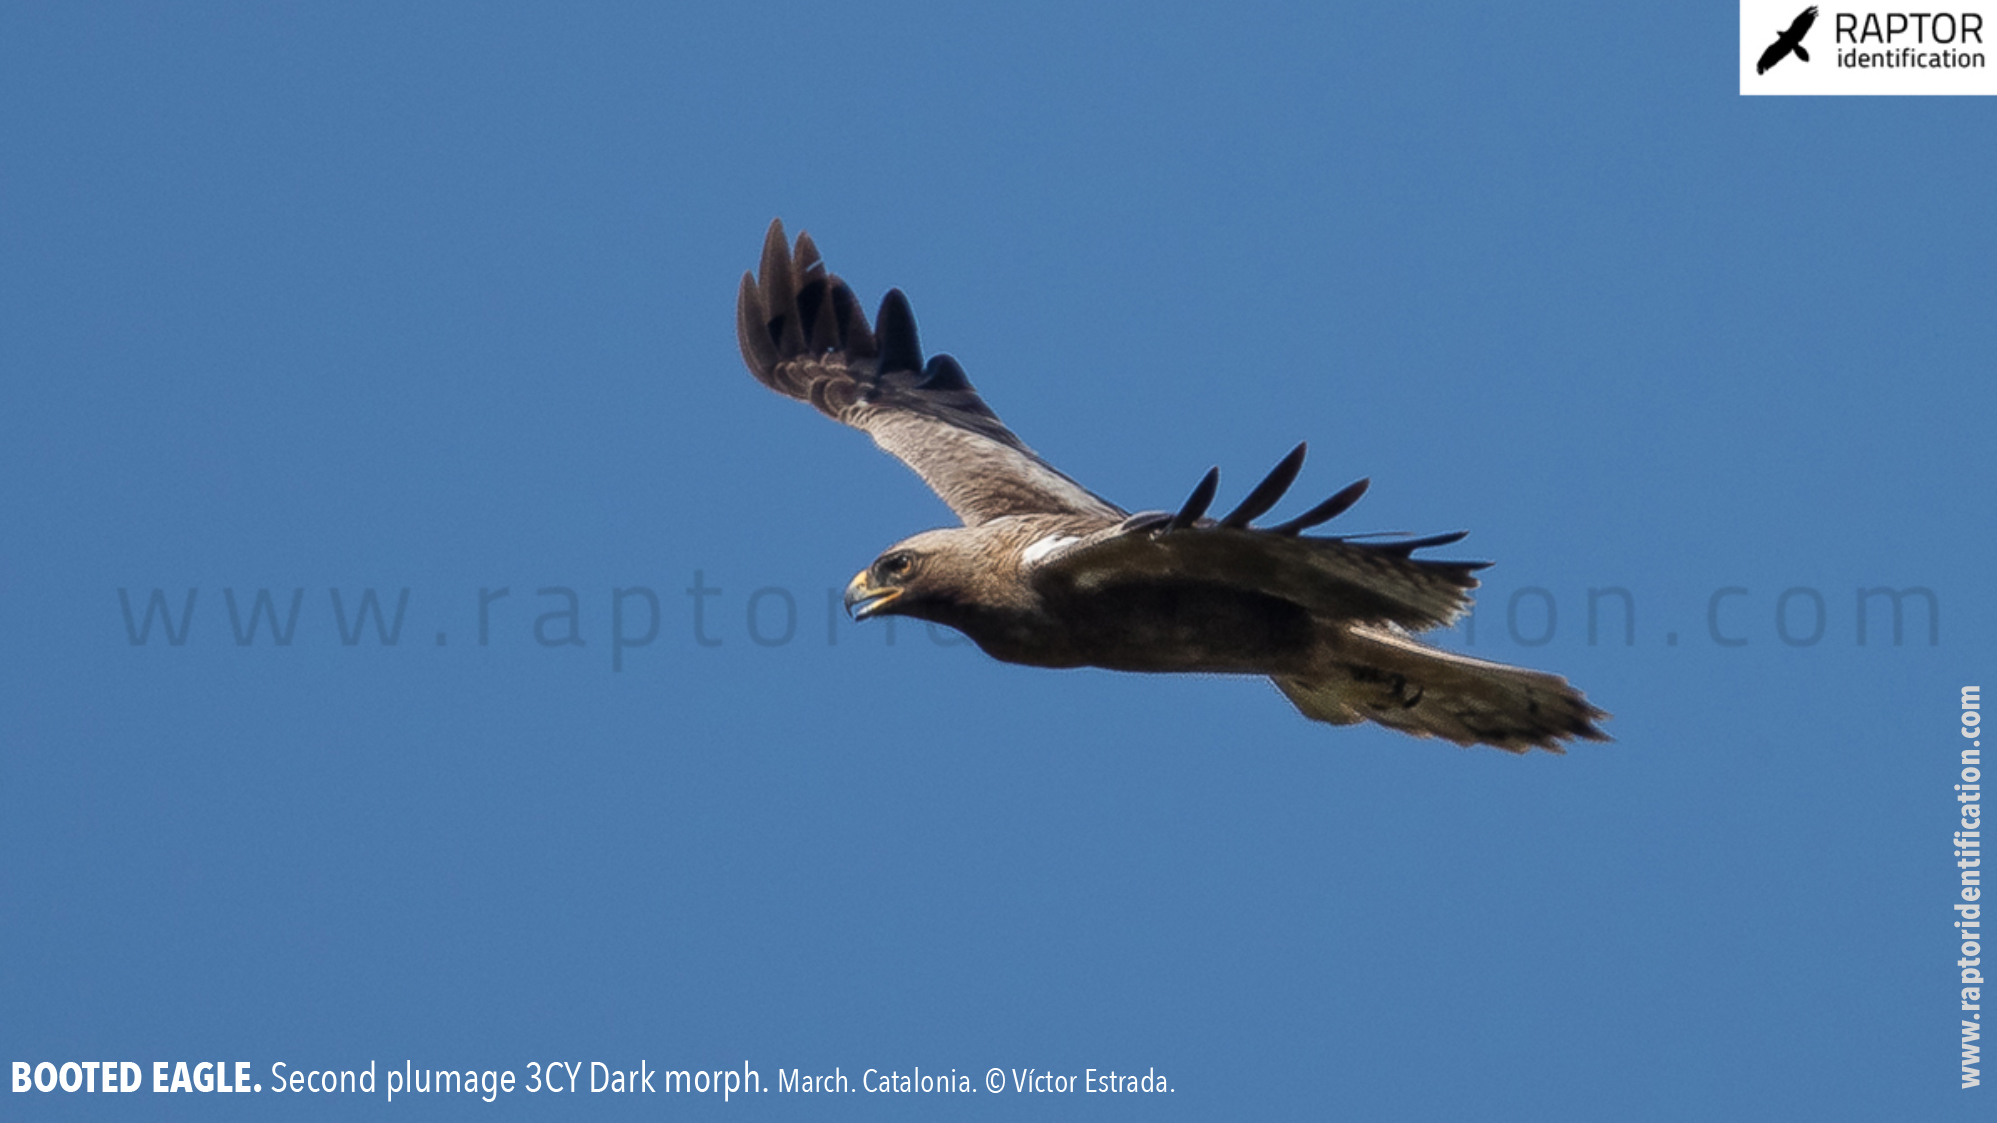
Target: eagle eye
[{"x": 897, "y": 566}]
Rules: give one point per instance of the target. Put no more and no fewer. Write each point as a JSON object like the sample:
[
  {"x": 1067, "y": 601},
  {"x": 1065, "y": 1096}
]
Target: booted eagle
[{"x": 1046, "y": 573}]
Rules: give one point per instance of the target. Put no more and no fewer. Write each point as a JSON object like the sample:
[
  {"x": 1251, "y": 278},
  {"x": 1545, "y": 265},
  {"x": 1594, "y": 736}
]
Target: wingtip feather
[
  {"x": 1327, "y": 510},
  {"x": 1265, "y": 494},
  {"x": 779, "y": 287},
  {"x": 806, "y": 260},
  {"x": 943, "y": 372},
  {"x": 894, "y": 333},
  {"x": 752, "y": 330},
  {"x": 1198, "y": 502}
]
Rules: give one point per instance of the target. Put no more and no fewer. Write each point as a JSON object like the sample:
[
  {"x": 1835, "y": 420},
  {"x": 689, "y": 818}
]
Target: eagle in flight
[
  {"x": 1046, "y": 573},
  {"x": 1786, "y": 41}
]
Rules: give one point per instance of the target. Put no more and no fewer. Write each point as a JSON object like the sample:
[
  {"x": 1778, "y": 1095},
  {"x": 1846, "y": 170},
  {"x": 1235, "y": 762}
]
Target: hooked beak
[{"x": 864, "y": 600}]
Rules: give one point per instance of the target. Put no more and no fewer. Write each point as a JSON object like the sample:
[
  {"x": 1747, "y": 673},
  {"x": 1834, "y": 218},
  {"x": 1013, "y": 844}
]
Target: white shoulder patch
[{"x": 1034, "y": 553}]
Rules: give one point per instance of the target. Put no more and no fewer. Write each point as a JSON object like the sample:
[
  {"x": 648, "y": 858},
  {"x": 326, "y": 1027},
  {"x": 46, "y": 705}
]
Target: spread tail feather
[{"x": 1379, "y": 675}]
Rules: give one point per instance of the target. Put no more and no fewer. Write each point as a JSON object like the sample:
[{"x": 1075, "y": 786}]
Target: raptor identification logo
[{"x": 1787, "y": 47}]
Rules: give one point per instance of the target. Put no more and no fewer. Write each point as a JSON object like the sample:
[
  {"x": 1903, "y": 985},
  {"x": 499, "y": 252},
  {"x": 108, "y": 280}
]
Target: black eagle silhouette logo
[{"x": 1790, "y": 40}]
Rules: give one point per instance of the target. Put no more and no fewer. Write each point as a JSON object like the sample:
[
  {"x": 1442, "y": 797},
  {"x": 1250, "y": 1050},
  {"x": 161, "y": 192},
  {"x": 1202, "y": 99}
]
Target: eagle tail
[
  {"x": 1376, "y": 674},
  {"x": 1322, "y": 700}
]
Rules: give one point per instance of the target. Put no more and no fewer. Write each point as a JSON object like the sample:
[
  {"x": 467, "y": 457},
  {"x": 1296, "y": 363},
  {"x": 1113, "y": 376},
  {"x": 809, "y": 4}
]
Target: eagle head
[
  {"x": 883, "y": 588},
  {"x": 934, "y": 576}
]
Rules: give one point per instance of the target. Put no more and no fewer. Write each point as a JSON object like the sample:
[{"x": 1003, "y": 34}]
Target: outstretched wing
[
  {"x": 803, "y": 335},
  {"x": 1335, "y": 579},
  {"x": 1802, "y": 25}
]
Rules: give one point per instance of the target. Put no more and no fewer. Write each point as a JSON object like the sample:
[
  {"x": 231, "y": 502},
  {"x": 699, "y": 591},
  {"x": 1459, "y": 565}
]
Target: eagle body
[
  {"x": 1040, "y": 615},
  {"x": 1046, "y": 573}
]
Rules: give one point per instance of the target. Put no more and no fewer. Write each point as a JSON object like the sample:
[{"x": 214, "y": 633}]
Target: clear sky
[{"x": 441, "y": 299}]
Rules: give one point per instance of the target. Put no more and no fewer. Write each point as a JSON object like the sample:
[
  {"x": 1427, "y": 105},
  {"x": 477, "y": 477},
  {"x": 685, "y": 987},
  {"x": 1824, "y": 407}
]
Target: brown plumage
[{"x": 1046, "y": 573}]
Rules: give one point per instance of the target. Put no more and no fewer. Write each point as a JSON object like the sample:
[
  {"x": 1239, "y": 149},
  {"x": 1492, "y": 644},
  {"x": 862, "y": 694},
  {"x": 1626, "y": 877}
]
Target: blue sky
[{"x": 441, "y": 299}]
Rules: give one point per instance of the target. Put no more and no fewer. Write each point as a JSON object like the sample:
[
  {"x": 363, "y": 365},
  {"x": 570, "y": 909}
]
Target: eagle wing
[
  {"x": 1335, "y": 579},
  {"x": 1802, "y": 25},
  {"x": 804, "y": 335}
]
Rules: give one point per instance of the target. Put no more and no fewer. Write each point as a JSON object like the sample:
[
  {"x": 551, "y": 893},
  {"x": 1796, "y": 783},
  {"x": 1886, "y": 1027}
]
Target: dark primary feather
[
  {"x": 803, "y": 334},
  {"x": 1268, "y": 491},
  {"x": 1325, "y": 511},
  {"x": 1195, "y": 507},
  {"x": 1408, "y": 546},
  {"x": 894, "y": 326}
]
